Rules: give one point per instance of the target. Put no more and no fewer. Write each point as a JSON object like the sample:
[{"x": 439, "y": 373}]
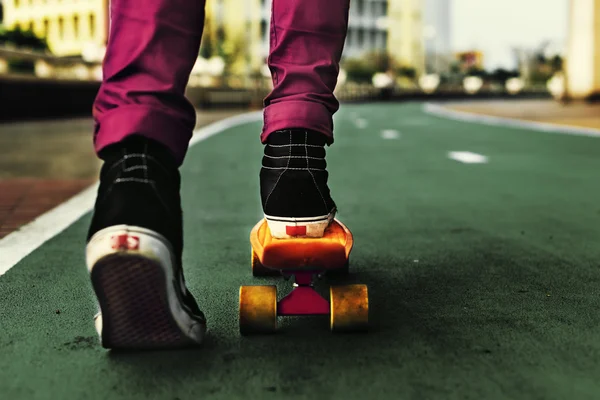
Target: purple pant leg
[
  {"x": 152, "y": 48},
  {"x": 307, "y": 39}
]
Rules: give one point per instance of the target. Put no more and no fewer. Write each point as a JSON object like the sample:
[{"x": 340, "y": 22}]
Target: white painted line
[
  {"x": 467, "y": 157},
  {"x": 224, "y": 124},
  {"x": 500, "y": 121},
  {"x": 390, "y": 134},
  {"x": 15, "y": 246},
  {"x": 361, "y": 123},
  {"x": 19, "y": 244}
]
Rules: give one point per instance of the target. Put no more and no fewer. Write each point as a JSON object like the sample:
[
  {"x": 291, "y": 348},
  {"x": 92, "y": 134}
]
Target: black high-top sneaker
[
  {"x": 134, "y": 250},
  {"x": 293, "y": 184}
]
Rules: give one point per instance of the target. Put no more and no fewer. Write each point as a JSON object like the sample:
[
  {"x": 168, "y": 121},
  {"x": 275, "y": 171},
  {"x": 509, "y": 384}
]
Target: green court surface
[{"x": 484, "y": 279}]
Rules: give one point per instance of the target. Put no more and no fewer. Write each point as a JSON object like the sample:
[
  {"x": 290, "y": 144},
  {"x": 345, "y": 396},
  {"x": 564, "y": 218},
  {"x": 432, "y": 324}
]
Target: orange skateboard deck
[{"x": 332, "y": 251}]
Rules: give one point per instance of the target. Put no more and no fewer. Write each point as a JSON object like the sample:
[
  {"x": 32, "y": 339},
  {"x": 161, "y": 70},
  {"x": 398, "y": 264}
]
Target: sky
[{"x": 494, "y": 26}]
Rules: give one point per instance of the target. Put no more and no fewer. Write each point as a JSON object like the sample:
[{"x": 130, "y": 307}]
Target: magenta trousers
[{"x": 153, "y": 45}]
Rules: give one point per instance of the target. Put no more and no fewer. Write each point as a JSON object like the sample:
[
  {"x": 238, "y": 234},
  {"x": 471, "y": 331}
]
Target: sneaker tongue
[{"x": 297, "y": 136}]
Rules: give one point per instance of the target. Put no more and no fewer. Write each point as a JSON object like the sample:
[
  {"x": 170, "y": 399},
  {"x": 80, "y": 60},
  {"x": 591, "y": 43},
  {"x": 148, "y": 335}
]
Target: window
[
  {"x": 76, "y": 26},
  {"x": 61, "y": 27},
  {"x": 92, "y": 23},
  {"x": 372, "y": 38},
  {"x": 263, "y": 29},
  {"x": 361, "y": 37},
  {"x": 375, "y": 9},
  {"x": 46, "y": 27},
  {"x": 360, "y": 7}
]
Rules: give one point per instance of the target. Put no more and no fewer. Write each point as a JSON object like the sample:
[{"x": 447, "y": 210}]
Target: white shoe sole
[
  {"x": 140, "y": 299},
  {"x": 307, "y": 227}
]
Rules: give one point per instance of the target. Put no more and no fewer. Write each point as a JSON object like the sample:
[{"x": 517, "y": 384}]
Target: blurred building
[
  {"x": 405, "y": 33},
  {"x": 367, "y": 27},
  {"x": 437, "y": 31},
  {"x": 583, "y": 50},
  {"x": 70, "y": 26}
]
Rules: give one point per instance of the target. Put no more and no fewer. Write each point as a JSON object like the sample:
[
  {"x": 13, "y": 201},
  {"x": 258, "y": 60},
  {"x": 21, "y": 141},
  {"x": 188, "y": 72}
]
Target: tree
[
  {"x": 380, "y": 61},
  {"x": 362, "y": 69},
  {"x": 475, "y": 71},
  {"x": 235, "y": 52},
  {"x": 359, "y": 70},
  {"x": 207, "y": 47},
  {"x": 455, "y": 67},
  {"x": 501, "y": 75},
  {"x": 557, "y": 63},
  {"x": 23, "y": 39},
  {"x": 407, "y": 72},
  {"x": 220, "y": 42}
]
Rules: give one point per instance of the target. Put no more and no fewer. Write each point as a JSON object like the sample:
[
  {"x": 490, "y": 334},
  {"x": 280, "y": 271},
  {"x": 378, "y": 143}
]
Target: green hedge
[{"x": 22, "y": 39}]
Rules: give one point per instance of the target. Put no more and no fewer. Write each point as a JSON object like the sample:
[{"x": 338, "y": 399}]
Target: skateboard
[{"x": 304, "y": 260}]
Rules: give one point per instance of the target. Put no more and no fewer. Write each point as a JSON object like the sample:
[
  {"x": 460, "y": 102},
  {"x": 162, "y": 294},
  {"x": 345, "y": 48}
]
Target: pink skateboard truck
[{"x": 304, "y": 259}]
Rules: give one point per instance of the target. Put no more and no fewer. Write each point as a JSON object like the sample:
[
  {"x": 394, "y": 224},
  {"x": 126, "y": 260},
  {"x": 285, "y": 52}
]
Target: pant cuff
[
  {"x": 297, "y": 114},
  {"x": 154, "y": 124}
]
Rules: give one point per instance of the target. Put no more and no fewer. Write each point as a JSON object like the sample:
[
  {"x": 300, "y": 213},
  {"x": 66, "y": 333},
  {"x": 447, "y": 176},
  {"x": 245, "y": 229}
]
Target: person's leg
[
  {"x": 306, "y": 42},
  {"x": 143, "y": 126},
  {"x": 151, "y": 51}
]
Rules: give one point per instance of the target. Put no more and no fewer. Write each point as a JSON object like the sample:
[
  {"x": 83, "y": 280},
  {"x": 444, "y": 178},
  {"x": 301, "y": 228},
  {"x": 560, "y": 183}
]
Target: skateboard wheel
[
  {"x": 260, "y": 270},
  {"x": 258, "y": 309},
  {"x": 349, "y": 308}
]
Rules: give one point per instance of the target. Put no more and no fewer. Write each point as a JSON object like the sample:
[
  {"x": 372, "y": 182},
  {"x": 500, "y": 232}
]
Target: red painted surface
[
  {"x": 303, "y": 299},
  {"x": 295, "y": 230},
  {"x": 125, "y": 242}
]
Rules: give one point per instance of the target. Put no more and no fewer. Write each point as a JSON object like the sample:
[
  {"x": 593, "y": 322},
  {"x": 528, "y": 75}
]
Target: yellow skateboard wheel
[
  {"x": 258, "y": 309},
  {"x": 349, "y": 308}
]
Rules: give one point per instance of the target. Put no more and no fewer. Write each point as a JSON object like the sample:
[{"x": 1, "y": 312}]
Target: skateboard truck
[
  {"x": 304, "y": 259},
  {"x": 303, "y": 299}
]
